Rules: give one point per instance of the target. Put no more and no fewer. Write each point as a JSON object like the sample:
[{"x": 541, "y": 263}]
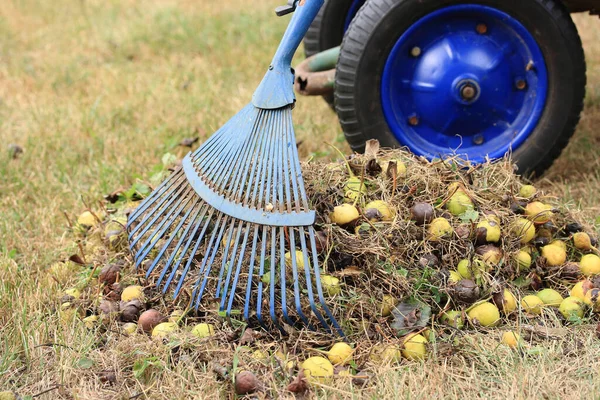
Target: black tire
[
  {"x": 379, "y": 24},
  {"x": 327, "y": 31}
]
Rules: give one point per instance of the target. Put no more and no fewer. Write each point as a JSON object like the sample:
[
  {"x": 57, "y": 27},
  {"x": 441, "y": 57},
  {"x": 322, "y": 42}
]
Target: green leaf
[
  {"x": 85, "y": 363},
  {"x": 535, "y": 351},
  {"x": 137, "y": 191},
  {"x": 403, "y": 272},
  {"x": 168, "y": 159},
  {"x": 140, "y": 365},
  {"x": 469, "y": 216},
  {"x": 522, "y": 282},
  {"x": 266, "y": 278},
  {"x": 141, "y": 188},
  {"x": 158, "y": 177}
]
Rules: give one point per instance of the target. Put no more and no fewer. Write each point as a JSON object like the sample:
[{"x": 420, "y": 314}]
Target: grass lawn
[{"x": 96, "y": 92}]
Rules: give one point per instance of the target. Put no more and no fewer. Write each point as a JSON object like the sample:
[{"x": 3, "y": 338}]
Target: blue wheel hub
[{"x": 468, "y": 79}]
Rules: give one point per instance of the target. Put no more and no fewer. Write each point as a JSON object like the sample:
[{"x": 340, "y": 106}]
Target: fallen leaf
[
  {"x": 115, "y": 195},
  {"x": 392, "y": 170},
  {"x": 298, "y": 385},
  {"x": 373, "y": 168},
  {"x": 409, "y": 316},
  {"x": 246, "y": 383},
  {"x": 350, "y": 271},
  {"x": 220, "y": 370},
  {"x": 247, "y": 337},
  {"x": 188, "y": 142},
  {"x": 107, "y": 377},
  {"x": 76, "y": 258},
  {"x": 14, "y": 150},
  {"x": 371, "y": 148},
  {"x": 361, "y": 379},
  {"x": 109, "y": 274}
]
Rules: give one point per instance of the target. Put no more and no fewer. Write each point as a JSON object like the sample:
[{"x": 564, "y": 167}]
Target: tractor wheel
[{"x": 479, "y": 78}]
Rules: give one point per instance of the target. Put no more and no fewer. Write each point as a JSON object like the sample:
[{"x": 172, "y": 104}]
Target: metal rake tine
[
  {"x": 159, "y": 210},
  {"x": 295, "y": 274},
  {"x": 294, "y": 168},
  {"x": 297, "y": 170},
  {"x": 176, "y": 177},
  {"x": 278, "y": 176},
  {"x": 225, "y": 263},
  {"x": 182, "y": 239},
  {"x": 244, "y": 165},
  {"x": 272, "y": 282},
  {"x": 194, "y": 251},
  {"x": 257, "y": 166},
  {"x": 229, "y": 134},
  {"x": 231, "y": 291},
  {"x": 204, "y": 268},
  {"x": 313, "y": 244},
  {"x": 207, "y": 263},
  {"x": 248, "y": 297},
  {"x": 224, "y": 135},
  {"x": 156, "y": 202},
  {"x": 266, "y": 192},
  {"x": 190, "y": 239},
  {"x": 286, "y": 167},
  {"x": 218, "y": 138},
  {"x": 261, "y": 146},
  {"x": 160, "y": 230},
  {"x": 265, "y": 171},
  {"x": 308, "y": 277},
  {"x": 219, "y": 172},
  {"x": 282, "y": 281},
  {"x": 167, "y": 244},
  {"x": 214, "y": 171},
  {"x": 261, "y": 272}
]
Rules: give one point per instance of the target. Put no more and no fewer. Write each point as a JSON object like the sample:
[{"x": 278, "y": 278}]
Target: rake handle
[
  {"x": 297, "y": 28},
  {"x": 277, "y": 87}
]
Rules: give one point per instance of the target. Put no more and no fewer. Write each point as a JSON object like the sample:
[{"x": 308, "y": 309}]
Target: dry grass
[{"x": 96, "y": 92}]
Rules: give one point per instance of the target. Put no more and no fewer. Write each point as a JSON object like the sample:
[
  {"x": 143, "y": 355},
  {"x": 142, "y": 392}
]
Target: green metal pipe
[{"x": 324, "y": 60}]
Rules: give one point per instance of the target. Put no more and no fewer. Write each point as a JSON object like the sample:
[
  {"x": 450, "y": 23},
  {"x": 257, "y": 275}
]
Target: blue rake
[{"x": 236, "y": 215}]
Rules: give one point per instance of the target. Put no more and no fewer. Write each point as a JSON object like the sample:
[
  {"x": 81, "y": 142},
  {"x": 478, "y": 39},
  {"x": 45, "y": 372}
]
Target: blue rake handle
[{"x": 277, "y": 87}]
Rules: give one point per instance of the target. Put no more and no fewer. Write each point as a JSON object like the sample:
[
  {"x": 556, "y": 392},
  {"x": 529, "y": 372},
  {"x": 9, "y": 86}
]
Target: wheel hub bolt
[
  {"x": 481, "y": 29},
  {"x": 413, "y": 120},
  {"x": 415, "y": 51},
  {"x": 478, "y": 139},
  {"x": 520, "y": 84},
  {"x": 468, "y": 92}
]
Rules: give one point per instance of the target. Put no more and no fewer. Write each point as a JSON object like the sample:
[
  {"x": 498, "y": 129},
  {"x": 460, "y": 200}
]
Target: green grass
[{"x": 97, "y": 91}]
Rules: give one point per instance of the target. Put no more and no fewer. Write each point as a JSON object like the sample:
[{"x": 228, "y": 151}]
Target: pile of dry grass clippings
[{"x": 413, "y": 255}]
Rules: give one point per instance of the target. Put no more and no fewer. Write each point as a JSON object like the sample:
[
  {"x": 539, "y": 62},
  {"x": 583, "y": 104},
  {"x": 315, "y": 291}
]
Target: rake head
[{"x": 235, "y": 222}]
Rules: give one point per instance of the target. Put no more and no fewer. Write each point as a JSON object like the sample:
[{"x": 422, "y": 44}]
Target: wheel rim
[
  {"x": 354, "y": 7},
  {"x": 485, "y": 100}
]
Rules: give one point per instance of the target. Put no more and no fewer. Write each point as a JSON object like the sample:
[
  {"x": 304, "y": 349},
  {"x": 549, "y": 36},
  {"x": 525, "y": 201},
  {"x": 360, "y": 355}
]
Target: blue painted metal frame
[
  {"x": 241, "y": 211},
  {"x": 276, "y": 89},
  {"x": 433, "y": 60}
]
